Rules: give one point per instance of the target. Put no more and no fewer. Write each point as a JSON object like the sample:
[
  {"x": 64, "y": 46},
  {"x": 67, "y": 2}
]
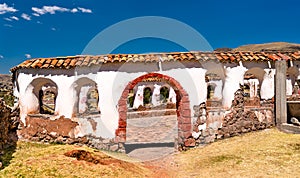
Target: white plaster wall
[
  {"x": 27, "y": 99},
  {"x": 112, "y": 83},
  {"x": 289, "y": 87},
  {"x": 267, "y": 90},
  {"x": 234, "y": 77},
  {"x": 218, "y": 89}
]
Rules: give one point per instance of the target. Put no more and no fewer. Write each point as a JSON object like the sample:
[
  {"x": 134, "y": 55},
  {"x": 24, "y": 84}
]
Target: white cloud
[
  {"x": 8, "y": 25},
  {"x": 54, "y": 9},
  {"x": 27, "y": 56},
  {"x": 85, "y": 10},
  {"x": 1, "y": 57},
  {"x": 74, "y": 10},
  {"x": 26, "y": 17},
  {"x": 4, "y": 9},
  {"x": 53, "y": 29},
  {"x": 8, "y": 19},
  {"x": 11, "y": 18},
  {"x": 39, "y": 22},
  {"x": 38, "y": 11},
  {"x": 36, "y": 14},
  {"x": 14, "y": 17},
  {"x": 49, "y": 9}
]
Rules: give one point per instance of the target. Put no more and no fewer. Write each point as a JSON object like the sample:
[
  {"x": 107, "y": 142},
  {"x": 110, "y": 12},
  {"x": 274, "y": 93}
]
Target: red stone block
[
  {"x": 184, "y": 120},
  {"x": 122, "y": 109},
  {"x": 125, "y": 94},
  {"x": 190, "y": 142},
  {"x": 185, "y": 99},
  {"x": 122, "y": 124},
  {"x": 177, "y": 86},
  {"x": 122, "y": 102},
  {"x": 122, "y": 115},
  {"x": 178, "y": 114},
  {"x": 185, "y": 105},
  {"x": 186, "y": 127},
  {"x": 186, "y": 113},
  {"x": 121, "y": 132},
  {"x": 133, "y": 83}
]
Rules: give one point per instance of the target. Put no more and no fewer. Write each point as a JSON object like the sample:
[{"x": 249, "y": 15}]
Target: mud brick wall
[{"x": 41, "y": 128}]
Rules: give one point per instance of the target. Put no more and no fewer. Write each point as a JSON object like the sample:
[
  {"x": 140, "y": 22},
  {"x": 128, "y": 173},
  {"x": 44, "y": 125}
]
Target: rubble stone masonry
[{"x": 216, "y": 123}]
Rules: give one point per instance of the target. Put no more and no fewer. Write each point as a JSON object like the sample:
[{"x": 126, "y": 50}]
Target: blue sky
[{"x": 48, "y": 28}]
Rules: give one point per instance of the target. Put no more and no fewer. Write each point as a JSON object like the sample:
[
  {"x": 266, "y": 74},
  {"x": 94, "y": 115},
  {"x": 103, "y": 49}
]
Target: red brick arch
[{"x": 182, "y": 103}]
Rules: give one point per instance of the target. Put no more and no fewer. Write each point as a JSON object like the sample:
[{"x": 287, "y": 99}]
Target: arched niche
[
  {"x": 87, "y": 97},
  {"x": 44, "y": 92},
  {"x": 214, "y": 88}
]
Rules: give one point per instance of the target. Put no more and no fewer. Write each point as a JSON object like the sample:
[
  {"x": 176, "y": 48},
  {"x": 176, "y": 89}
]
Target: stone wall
[
  {"x": 216, "y": 123},
  {"x": 9, "y": 121},
  {"x": 8, "y": 129},
  {"x": 4, "y": 124},
  {"x": 41, "y": 128},
  {"x": 243, "y": 119}
]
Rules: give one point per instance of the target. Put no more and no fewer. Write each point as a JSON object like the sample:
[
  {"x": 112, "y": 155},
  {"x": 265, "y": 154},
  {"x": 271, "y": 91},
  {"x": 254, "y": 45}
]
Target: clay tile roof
[{"x": 70, "y": 62}]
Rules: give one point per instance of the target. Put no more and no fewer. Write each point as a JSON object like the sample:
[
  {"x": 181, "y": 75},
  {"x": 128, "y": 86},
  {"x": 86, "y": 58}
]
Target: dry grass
[
  {"x": 268, "y": 153},
  {"x": 41, "y": 160}
]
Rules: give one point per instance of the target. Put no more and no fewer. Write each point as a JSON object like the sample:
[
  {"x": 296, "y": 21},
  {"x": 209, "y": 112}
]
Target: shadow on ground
[
  {"x": 149, "y": 151},
  {"x": 7, "y": 155}
]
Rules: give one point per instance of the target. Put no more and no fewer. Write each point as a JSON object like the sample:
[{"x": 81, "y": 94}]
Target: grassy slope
[
  {"x": 268, "y": 153},
  {"x": 41, "y": 160}
]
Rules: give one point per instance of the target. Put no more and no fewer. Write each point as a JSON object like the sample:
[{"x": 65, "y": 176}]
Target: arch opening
[{"x": 179, "y": 97}]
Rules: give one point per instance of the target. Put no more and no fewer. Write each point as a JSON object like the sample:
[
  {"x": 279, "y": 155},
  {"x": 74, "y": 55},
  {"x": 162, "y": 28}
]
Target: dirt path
[
  {"x": 163, "y": 167},
  {"x": 151, "y": 141}
]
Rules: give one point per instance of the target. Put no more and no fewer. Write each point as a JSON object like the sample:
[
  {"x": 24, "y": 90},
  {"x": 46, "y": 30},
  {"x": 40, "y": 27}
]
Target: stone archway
[{"x": 182, "y": 105}]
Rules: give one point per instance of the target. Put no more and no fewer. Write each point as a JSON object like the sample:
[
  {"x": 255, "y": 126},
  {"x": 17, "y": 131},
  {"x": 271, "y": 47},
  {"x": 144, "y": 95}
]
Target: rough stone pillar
[{"x": 280, "y": 92}]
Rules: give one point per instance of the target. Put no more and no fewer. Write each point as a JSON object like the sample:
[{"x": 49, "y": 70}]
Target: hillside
[
  {"x": 6, "y": 89},
  {"x": 275, "y": 46}
]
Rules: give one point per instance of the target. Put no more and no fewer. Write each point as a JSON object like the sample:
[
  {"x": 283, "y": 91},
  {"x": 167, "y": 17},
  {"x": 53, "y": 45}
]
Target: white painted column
[
  {"x": 139, "y": 97},
  {"x": 156, "y": 95}
]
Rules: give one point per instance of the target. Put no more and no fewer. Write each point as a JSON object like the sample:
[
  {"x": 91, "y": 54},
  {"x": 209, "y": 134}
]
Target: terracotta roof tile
[
  {"x": 53, "y": 63},
  {"x": 60, "y": 62},
  {"x": 74, "y": 61}
]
